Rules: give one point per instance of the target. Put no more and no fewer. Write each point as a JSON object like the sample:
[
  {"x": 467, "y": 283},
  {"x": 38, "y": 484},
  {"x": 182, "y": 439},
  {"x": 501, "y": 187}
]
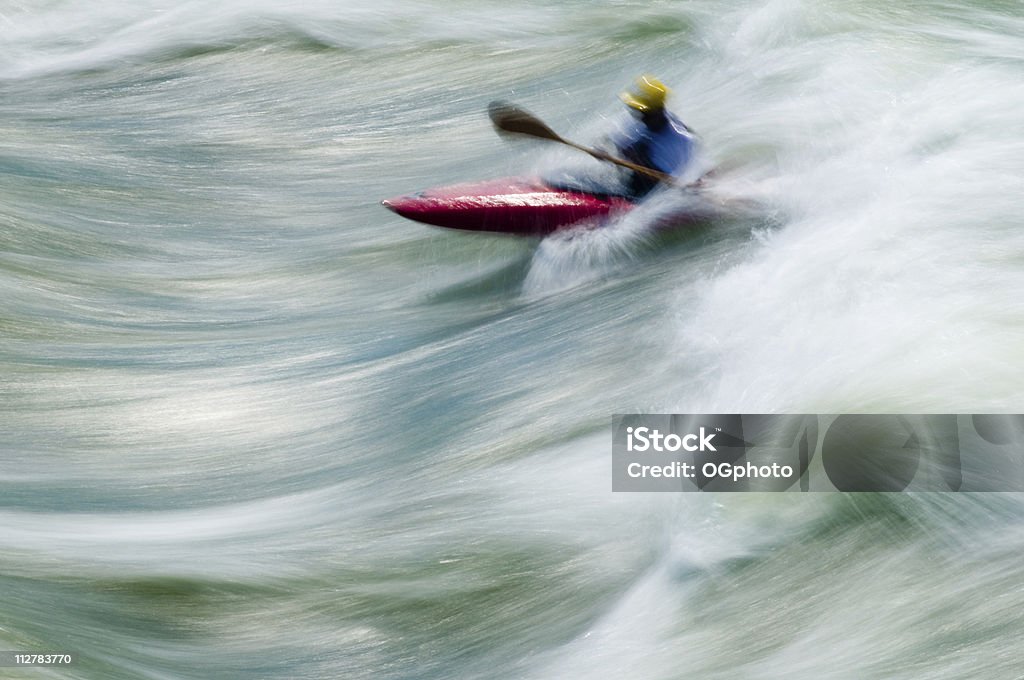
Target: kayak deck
[{"x": 512, "y": 205}]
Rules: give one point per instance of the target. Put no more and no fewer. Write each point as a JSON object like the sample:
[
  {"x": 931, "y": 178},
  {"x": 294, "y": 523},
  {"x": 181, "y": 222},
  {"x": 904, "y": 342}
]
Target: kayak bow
[{"x": 511, "y": 205}]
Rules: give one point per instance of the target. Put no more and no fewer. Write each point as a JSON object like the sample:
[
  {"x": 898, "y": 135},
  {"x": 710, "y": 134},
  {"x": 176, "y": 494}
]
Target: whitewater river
[{"x": 253, "y": 425}]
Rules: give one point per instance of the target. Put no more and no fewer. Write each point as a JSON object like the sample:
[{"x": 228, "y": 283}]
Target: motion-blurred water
[{"x": 255, "y": 426}]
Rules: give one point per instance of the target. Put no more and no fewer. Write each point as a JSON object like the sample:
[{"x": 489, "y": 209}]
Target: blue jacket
[{"x": 669, "y": 150}]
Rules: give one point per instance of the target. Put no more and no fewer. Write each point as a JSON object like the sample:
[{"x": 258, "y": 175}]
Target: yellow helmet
[{"x": 649, "y": 94}]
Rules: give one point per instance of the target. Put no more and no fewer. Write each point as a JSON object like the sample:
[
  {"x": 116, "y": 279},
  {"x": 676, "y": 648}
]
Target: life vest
[{"x": 668, "y": 149}]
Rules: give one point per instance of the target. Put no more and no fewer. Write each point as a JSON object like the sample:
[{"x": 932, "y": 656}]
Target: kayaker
[{"x": 654, "y": 137}]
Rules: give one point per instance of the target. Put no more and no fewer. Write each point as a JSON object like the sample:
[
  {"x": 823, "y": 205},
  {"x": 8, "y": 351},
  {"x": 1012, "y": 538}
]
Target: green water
[{"x": 256, "y": 426}]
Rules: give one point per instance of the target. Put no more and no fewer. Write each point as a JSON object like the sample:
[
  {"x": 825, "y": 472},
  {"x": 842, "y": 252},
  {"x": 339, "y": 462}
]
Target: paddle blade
[{"x": 512, "y": 119}]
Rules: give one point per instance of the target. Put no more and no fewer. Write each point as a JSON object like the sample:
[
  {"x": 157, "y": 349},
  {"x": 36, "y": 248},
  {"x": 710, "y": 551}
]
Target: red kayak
[{"x": 512, "y": 205}]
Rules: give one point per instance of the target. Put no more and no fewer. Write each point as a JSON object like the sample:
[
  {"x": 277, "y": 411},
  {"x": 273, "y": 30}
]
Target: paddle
[{"x": 509, "y": 118}]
